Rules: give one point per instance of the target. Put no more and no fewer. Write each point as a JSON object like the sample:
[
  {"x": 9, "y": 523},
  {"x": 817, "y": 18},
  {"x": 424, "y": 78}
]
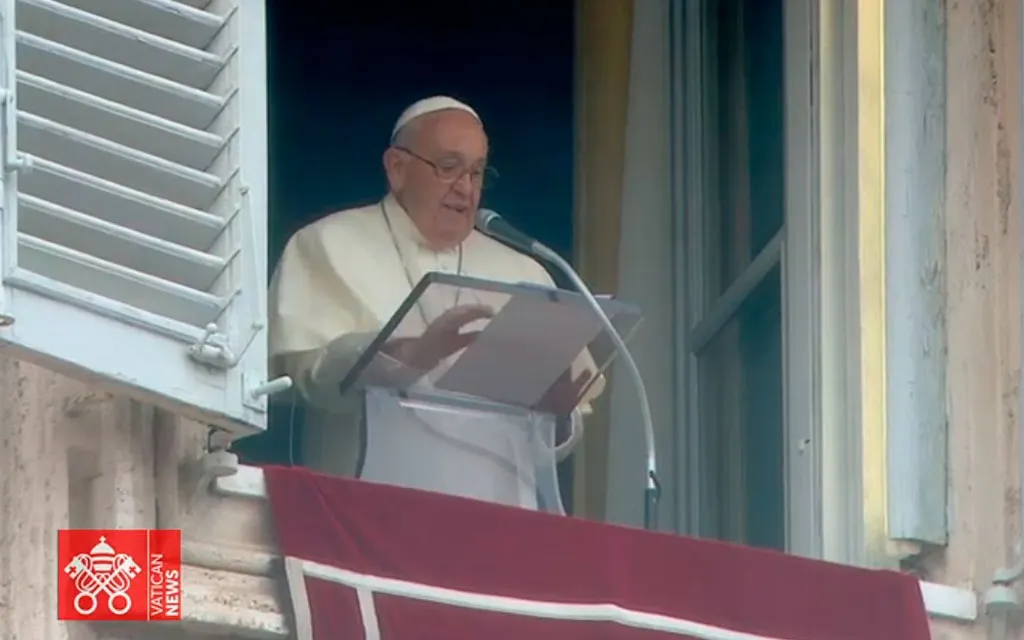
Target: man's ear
[{"x": 394, "y": 167}]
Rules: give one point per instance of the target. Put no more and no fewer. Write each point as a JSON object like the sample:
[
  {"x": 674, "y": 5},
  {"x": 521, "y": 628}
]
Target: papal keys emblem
[{"x": 102, "y": 571}]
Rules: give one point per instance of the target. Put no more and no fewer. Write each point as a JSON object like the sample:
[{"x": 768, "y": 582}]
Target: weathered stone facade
[
  {"x": 76, "y": 457},
  {"x": 983, "y": 248}
]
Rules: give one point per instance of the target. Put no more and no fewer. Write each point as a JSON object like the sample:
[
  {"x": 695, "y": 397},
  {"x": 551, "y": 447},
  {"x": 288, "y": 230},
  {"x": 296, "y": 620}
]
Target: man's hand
[
  {"x": 563, "y": 396},
  {"x": 442, "y": 338}
]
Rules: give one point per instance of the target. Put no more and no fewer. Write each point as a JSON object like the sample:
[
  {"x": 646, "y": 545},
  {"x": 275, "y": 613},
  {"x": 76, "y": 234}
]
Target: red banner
[{"x": 378, "y": 562}]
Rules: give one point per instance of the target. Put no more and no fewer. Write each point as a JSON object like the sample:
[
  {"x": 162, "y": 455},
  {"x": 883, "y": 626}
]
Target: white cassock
[{"x": 339, "y": 281}]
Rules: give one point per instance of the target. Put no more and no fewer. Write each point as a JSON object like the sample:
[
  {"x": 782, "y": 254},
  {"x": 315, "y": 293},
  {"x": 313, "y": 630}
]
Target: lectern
[{"x": 482, "y": 423}]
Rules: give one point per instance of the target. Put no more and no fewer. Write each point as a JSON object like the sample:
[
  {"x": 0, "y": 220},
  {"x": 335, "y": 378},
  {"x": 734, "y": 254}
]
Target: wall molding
[
  {"x": 208, "y": 609},
  {"x": 232, "y": 591}
]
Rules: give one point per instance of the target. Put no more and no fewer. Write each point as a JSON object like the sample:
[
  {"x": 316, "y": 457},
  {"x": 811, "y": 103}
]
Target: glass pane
[
  {"x": 522, "y": 354},
  {"x": 742, "y": 423},
  {"x": 472, "y": 452},
  {"x": 750, "y": 136}
]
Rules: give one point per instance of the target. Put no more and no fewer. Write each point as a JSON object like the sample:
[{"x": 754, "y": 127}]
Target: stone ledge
[
  {"x": 233, "y": 591},
  {"x": 246, "y": 483},
  {"x": 949, "y": 603},
  {"x": 214, "y": 612},
  {"x": 244, "y": 561}
]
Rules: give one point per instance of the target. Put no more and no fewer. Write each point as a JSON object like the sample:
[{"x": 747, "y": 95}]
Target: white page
[{"x": 523, "y": 350}]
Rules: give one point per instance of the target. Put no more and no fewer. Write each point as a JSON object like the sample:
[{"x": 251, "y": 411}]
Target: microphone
[{"x": 492, "y": 224}]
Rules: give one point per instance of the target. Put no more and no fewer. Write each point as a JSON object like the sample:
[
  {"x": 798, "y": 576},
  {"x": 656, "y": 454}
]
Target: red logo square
[{"x": 126, "y": 574}]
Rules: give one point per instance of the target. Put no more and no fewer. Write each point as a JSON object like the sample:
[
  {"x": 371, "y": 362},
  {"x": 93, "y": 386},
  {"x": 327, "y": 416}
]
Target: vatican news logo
[{"x": 126, "y": 574}]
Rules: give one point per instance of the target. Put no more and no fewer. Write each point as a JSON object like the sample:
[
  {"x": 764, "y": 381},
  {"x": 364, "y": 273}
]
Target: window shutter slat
[
  {"x": 165, "y": 18},
  {"x": 119, "y": 245},
  {"x": 122, "y": 205},
  {"x": 106, "y": 79},
  {"x": 197, "y": 4},
  {"x": 114, "y": 41},
  {"x": 103, "y": 278},
  {"x": 102, "y": 158},
  {"x": 143, "y": 203},
  {"x": 120, "y": 123}
]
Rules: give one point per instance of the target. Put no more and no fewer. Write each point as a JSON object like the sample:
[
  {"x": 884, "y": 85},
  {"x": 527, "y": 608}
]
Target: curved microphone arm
[{"x": 652, "y": 493}]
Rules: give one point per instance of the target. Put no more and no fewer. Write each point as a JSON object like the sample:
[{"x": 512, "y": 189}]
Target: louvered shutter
[{"x": 135, "y": 198}]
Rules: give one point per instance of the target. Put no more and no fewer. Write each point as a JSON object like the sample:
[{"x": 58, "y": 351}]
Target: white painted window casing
[{"x": 134, "y": 176}]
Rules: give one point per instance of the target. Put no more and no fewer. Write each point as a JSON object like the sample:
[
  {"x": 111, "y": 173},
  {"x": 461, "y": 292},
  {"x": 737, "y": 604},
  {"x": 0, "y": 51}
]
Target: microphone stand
[{"x": 652, "y": 491}]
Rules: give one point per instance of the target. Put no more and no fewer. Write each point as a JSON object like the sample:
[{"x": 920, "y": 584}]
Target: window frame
[{"x": 816, "y": 247}]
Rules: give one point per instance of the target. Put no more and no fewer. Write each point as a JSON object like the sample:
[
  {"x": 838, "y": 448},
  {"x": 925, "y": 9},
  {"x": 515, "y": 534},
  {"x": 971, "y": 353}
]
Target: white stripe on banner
[
  {"x": 365, "y": 585},
  {"x": 368, "y": 611}
]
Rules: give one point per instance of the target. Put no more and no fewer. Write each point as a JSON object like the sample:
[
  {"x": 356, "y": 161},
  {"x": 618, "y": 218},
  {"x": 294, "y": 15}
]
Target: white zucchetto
[{"x": 430, "y": 105}]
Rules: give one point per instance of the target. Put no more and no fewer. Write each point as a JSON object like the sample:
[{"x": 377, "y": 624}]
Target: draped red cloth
[{"x": 385, "y": 562}]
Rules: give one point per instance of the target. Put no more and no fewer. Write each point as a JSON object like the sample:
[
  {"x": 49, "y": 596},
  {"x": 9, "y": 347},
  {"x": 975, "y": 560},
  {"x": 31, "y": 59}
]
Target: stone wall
[
  {"x": 983, "y": 305},
  {"x": 71, "y": 456}
]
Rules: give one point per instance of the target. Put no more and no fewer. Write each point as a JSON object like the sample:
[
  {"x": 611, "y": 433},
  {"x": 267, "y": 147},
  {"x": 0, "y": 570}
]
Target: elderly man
[{"x": 341, "y": 278}]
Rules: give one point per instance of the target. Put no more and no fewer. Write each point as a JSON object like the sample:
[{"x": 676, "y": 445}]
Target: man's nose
[{"x": 464, "y": 183}]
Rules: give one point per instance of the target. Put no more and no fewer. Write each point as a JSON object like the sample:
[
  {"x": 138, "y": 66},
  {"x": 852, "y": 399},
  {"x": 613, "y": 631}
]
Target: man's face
[{"x": 437, "y": 173}]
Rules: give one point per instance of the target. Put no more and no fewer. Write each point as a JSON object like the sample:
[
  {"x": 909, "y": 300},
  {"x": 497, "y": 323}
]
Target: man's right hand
[{"x": 443, "y": 337}]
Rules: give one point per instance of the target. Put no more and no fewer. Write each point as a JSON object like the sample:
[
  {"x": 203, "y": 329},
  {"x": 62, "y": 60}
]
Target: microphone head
[{"x": 486, "y": 217}]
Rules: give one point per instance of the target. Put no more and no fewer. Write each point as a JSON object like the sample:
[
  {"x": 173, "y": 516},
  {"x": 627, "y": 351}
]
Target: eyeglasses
[{"x": 451, "y": 170}]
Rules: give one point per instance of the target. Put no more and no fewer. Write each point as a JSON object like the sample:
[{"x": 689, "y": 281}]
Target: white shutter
[{"x": 135, "y": 197}]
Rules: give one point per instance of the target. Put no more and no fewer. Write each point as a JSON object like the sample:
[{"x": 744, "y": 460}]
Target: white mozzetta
[
  {"x": 133, "y": 165},
  {"x": 941, "y": 601}
]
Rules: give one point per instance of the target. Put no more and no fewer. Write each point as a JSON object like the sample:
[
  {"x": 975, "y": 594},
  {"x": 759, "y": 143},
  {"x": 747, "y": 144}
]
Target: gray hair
[{"x": 407, "y": 134}]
